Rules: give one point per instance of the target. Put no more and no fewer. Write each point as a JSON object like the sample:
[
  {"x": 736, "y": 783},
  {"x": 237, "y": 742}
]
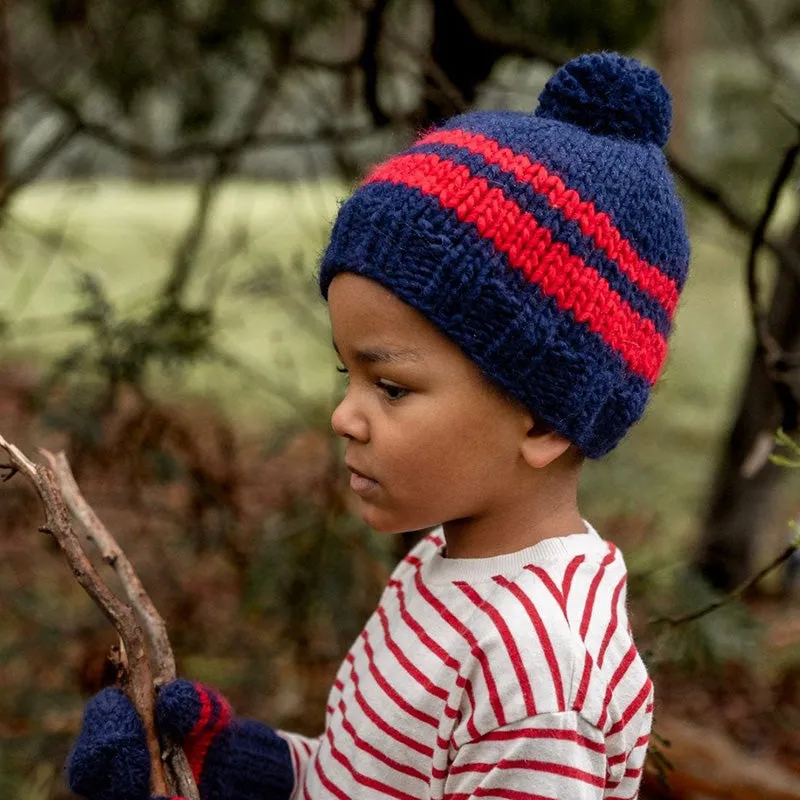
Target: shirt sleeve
[
  {"x": 302, "y": 749},
  {"x": 546, "y": 757}
]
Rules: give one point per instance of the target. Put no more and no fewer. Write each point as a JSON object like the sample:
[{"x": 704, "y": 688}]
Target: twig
[
  {"x": 369, "y": 62},
  {"x": 57, "y": 524},
  {"x": 163, "y": 658},
  {"x": 485, "y": 27},
  {"x": 55, "y": 146},
  {"x": 733, "y": 595},
  {"x": 113, "y": 555},
  {"x": 767, "y": 342},
  {"x": 239, "y": 143},
  {"x": 186, "y": 254},
  {"x": 756, "y": 32},
  {"x": 780, "y": 365}
]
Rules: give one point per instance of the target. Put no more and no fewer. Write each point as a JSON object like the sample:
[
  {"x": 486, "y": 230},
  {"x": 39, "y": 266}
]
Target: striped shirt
[{"x": 511, "y": 677}]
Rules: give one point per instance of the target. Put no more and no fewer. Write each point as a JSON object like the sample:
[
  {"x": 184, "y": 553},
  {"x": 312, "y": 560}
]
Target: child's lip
[
  {"x": 360, "y": 484},
  {"x": 359, "y": 472}
]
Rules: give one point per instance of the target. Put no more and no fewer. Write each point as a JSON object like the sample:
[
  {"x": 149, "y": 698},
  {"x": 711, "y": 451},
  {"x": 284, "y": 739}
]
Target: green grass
[{"x": 127, "y": 234}]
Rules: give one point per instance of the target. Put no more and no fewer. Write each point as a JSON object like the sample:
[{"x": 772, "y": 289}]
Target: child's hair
[{"x": 551, "y": 247}]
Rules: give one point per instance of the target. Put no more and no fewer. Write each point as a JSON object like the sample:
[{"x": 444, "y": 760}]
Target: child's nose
[{"x": 348, "y": 422}]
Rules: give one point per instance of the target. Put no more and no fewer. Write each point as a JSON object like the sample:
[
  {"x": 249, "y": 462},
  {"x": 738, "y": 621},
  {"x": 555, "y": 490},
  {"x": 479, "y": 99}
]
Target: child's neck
[{"x": 514, "y": 526}]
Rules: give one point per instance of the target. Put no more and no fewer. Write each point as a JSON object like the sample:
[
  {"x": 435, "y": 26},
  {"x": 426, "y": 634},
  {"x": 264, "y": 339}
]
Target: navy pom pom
[{"x": 609, "y": 95}]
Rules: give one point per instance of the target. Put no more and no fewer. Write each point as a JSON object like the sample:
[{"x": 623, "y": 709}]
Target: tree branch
[
  {"x": 245, "y": 140},
  {"x": 113, "y": 555},
  {"x": 56, "y": 488},
  {"x": 57, "y": 524},
  {"x": 715, "y": 197},
  {"x": 770, "y": 347},
  {"x": 164, "y": 670},
  {"x": 756, "y": 32},
  {"x": 514, "y": 43},
  {"x": 733, "y": 595},
  {"x": 368, "y": 60},
  {"x": 37, "y": 163}
]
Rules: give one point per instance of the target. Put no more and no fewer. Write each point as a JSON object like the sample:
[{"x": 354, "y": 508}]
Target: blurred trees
[
  {"x": 205, "y": 91},
  {"x": 210, "y": 90},
  {"x": 742, "y": 498}
]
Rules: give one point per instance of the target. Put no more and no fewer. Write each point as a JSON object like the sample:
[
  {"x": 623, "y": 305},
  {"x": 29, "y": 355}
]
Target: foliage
[
  {"x": 706, "y": 645},
  {"x": 791, "y": 459},
  {"x": 581, "y": 25},
  {"x": 261, "y": 570},
  {"x": 126, "y": 49}
]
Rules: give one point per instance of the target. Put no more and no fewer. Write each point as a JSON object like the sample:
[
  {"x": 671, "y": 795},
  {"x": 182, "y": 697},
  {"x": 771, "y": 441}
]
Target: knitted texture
[
  {"x": 109, "y": 760},
  {"x": 551, "y": 247},
  {"x": 231, "y": 758}
]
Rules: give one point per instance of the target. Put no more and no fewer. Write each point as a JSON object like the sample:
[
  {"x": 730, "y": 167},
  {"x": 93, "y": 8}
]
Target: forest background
[{"x": 169, "y": 171}]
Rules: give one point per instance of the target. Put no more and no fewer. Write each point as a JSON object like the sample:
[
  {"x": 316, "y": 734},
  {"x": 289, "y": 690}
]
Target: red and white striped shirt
[{"x": 512, "y": 677}]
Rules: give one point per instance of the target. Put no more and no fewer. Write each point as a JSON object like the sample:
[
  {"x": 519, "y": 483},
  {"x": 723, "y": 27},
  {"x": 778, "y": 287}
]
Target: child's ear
[{"x": 542, "y": 446}]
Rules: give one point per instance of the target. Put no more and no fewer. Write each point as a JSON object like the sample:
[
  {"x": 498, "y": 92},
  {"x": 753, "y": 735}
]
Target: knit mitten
[
  {"x": 231, "y": 758},
  {"x": 110, "y": 760}
]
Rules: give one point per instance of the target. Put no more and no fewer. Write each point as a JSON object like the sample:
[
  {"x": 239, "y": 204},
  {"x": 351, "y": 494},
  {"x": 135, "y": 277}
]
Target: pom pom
[{"x": 609, "y": 95}]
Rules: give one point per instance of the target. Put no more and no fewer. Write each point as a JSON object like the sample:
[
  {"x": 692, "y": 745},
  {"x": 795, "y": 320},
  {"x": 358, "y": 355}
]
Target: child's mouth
[{"x": 359, "y": 483}]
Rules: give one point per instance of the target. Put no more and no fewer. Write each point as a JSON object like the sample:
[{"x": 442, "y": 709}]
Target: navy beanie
[{"x": 551, "y": 247}]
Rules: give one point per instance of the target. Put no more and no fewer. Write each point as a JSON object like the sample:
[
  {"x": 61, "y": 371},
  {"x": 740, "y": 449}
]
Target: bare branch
[
  {"x": 57, "y": 524},
  {"x": 737, "y": 592},
  {"x": 513, "y": 42},
  {"x": 186, "y": 254},
  {"x": 368, "y": 60},
  {"x": 113, "y": 555},
  {"x": 247, "y": 139},
  {"x": 715, "y": 197},
  {"x": 12, "y": 471},
  {"x": 769, "y": 346},
  {"x": 34, "y": 167},
  {"x": 164, "y": 660},
  {"x": 757, "y": 34}
]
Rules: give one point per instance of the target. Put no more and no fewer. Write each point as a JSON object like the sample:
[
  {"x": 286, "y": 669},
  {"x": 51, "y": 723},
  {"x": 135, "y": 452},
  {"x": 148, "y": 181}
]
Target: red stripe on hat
[
  {"x": 592, "y": 222},
  {"x": 530, "y": 248}
]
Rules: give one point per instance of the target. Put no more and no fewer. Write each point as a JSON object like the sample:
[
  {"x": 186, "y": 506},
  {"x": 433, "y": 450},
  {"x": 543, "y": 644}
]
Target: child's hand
[
  {"x": 229, "y": 757},
  {"x": 110, "y": 759}
]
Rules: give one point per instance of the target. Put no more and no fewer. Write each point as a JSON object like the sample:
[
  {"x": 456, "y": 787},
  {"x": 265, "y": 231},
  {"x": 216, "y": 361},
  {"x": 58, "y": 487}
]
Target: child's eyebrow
[{"x": 382, "y": 355}]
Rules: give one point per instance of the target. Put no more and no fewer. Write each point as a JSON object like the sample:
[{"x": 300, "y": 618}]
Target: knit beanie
[{"x": 551, "y": 247}]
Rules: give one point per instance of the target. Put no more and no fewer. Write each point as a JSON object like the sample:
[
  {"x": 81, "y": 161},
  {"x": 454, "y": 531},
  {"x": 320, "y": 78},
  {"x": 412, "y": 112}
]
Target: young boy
[{"x": 500, "y": 297}]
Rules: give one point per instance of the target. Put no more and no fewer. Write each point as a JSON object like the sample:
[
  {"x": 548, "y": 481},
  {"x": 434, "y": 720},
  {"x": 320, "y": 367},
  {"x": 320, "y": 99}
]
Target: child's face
[{"x": 429, "y": 440}]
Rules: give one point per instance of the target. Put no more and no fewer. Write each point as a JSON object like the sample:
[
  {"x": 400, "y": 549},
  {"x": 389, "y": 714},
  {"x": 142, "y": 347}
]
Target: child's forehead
[{"x": 366, "y": 315}]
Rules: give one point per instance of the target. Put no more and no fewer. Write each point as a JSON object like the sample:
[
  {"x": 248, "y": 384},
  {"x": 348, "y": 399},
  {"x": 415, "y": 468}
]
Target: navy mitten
[
  {"x": 232, "y": 759},
  {"x": 110, "y": 760}
]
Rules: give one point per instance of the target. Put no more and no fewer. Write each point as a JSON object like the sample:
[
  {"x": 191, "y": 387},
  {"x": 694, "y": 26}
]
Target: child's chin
[{"x": 383, "y": 522}]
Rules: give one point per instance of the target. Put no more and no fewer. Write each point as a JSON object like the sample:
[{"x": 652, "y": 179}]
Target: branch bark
[
  {"x": 57, "y": 490},
  {"x": 743, "y": 587}
]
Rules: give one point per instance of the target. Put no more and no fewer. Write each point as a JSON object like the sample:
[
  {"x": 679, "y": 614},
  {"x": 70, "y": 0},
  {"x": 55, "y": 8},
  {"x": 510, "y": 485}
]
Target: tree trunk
[
  {"x": 5, "y": 86},
  {"x": 464, "y": 59},
  {"x": 679, "y": 37},
  {"x": 740, "y": 506}
]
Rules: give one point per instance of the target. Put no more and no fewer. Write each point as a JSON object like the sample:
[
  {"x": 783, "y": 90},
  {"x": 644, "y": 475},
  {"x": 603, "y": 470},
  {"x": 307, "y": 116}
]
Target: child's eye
[
  {"x": 392, "y": 391},
  {"x": 342, "y": 369}
]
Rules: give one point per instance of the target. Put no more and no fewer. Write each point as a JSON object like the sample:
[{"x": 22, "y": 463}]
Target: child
[{"x": 500, "y": 296}]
